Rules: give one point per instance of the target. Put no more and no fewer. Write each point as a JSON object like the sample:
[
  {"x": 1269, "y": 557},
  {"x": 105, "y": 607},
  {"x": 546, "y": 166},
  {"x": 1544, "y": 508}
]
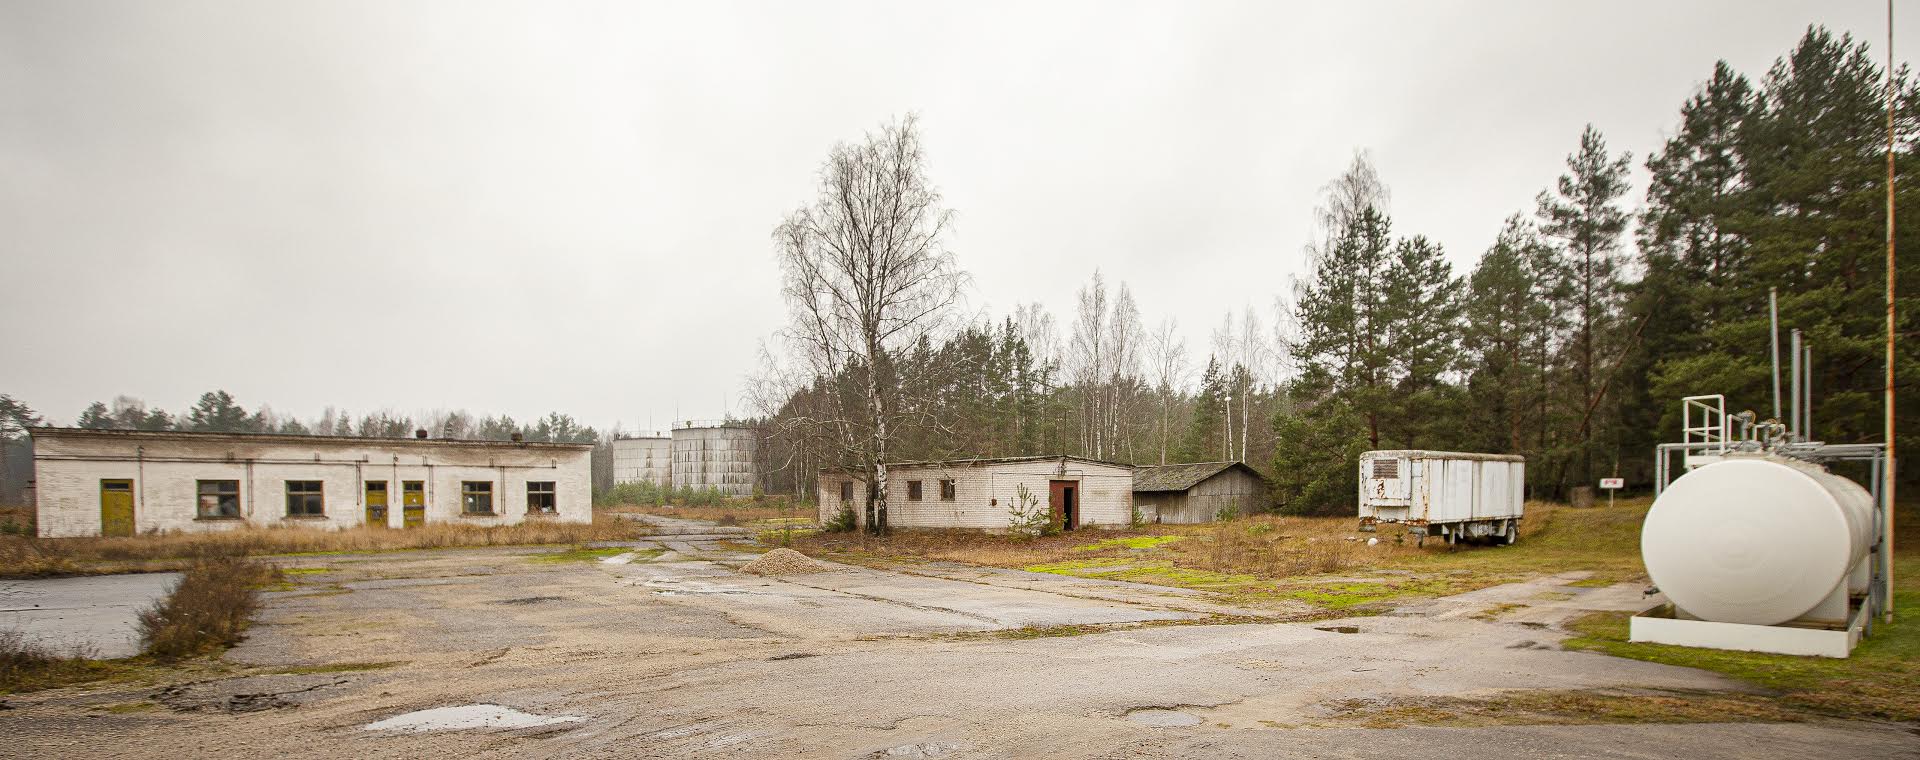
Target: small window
[
  {"x": 913, "y": 490},
  {"x": 219, "y": 499},
  {"x": 846, "y": 490},
  {"x": 305, "y": 498},
  {"x": 476, "y": 497},
  {"x": 946, "y": 490},
  {"x": 540, "y": 497}
]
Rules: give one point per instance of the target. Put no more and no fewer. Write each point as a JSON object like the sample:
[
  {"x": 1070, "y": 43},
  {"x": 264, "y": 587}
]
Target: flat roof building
[
  {"x": 982, "y": 493},
  {"x": 126, "y": 482}
]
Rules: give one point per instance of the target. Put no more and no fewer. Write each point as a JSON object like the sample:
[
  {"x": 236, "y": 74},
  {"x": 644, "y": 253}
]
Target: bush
[
  {"x": 209, "y": 608},
  {"x": 842, "y": 522}
]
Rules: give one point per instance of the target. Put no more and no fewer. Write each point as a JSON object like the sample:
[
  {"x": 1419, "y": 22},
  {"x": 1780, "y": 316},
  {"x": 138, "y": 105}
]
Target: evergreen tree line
[
  {"x": 218, "y": 412},
  {"x": 1570, "y": 341}
]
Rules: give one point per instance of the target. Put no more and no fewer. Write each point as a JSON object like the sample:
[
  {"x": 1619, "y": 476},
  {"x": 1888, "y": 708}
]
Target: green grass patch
[
  {"x": 1881, "y": 680},
  {"x": 305, "y": 570},
  {"x": 1129, "y": 542},
  {"x": 583, "y": 554},
  {"x": 1349, "y": 594}
]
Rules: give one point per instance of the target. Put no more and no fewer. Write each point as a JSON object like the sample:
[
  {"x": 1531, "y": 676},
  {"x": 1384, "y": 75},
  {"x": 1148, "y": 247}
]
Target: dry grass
[
  {"x": 37, "y": 557},
  {"x": 25, "y": 666},
  {"x": 1324, "y": 561},
  {"x": 1556, "y": 707},
  {"x": 208, "y": 610},
  {"x": 737, "y": 513}
]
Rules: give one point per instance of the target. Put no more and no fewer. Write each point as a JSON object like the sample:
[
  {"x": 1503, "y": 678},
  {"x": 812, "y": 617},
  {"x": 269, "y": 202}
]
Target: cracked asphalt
[{"x": 682, "y": 656}]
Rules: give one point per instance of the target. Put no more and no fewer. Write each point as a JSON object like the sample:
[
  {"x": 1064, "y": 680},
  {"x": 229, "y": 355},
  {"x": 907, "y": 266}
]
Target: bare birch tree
[
  {"x": 1167, "y": 352},
  {"x": 867, "y": 274}
]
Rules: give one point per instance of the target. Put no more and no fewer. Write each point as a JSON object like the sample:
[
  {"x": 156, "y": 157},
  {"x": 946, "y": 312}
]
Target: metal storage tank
[
  {"x": 1759, "y": 539},
  {"x": 637, "y": 460},
  {"x": 720, "y": 456},
  {"x": 1450, "y": 494}
]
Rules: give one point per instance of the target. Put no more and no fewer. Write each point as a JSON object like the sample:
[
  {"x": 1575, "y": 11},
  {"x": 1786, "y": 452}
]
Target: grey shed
[{"x": 1197, "y": 493}]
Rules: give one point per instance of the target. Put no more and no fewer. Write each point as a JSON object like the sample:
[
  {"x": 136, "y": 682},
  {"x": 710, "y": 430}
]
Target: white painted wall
[
  {"x": 165, "y": 469},
  {"x": 984, "y": 493}
]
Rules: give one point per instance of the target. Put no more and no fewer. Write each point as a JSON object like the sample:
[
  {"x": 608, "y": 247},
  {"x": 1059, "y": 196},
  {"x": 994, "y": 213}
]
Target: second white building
[{"x": 983, "y": 493}]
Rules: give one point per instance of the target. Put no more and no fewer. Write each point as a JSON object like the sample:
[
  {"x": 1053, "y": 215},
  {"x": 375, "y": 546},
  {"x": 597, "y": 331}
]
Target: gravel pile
[{"x": 784, "y": 562}]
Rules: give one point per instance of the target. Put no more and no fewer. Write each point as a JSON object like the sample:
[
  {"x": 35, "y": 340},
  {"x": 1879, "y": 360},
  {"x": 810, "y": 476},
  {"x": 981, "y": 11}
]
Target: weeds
[
  {"x": 25, "y": 666},
  {"x": 209, "y": 609}
]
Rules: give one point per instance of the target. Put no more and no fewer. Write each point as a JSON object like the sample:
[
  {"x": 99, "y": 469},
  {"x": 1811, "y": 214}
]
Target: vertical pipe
[
  {"x": 1806, "y": 390},
  {"x": 1773, "y": 322},
  {"x": 1793, "y": 414},
  {"x": 1887, "y": 557}
]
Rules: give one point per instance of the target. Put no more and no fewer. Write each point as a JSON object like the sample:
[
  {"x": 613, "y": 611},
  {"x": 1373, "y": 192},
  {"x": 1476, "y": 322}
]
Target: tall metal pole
[
  {"x": 1887, "y": 541},
  {"x": 1773, "y": 321},
  {"x": 1793, "y": 409}
]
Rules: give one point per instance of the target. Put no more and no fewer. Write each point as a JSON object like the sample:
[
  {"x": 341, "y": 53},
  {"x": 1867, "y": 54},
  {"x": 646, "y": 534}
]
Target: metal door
[
  {"x": 116, "y": 507},
  {"x": 413, "y": 503},
  {"x": 377, "y": 503},
  {"x": 1063, "y": 503}
]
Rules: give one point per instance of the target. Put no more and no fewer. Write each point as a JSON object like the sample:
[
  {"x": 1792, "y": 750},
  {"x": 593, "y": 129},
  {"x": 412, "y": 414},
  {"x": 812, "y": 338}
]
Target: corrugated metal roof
[
  {"x": 978, "y": 462},
  {"x": 1180, "y": 477}
]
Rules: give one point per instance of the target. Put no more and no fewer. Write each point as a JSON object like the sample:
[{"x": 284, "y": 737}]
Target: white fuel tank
[{"x": 1755, "y": 539}]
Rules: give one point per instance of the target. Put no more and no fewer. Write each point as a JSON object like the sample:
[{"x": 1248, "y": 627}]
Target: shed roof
[{"x": 1180, "y": 477}]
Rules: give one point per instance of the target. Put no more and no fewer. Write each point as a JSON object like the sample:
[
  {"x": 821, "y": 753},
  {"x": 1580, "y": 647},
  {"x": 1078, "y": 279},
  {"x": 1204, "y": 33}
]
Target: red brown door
[{"x": 1063, "y": 501}]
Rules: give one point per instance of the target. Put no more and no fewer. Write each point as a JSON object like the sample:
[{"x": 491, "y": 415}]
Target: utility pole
[{"x": 1887, "y": 488}]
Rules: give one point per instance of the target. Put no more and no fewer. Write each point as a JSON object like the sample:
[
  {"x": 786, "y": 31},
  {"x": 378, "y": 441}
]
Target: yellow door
[
  {"x": 413, "y": 503},
  {"x": 116, "y": 507},
  {"x": 377, "y": 503}
]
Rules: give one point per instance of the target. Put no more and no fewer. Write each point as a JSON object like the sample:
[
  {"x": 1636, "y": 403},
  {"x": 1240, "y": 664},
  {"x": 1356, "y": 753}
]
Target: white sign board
[{"x": 1613, "y": 483}]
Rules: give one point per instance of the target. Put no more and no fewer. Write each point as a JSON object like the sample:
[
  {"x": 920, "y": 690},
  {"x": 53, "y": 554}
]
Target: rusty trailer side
[{"x": 1454, "y": 495}]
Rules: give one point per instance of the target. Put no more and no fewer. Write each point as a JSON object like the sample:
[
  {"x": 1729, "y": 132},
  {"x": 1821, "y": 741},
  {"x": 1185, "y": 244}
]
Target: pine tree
[
  {"x": 96, "y": 417},
  {"x": 1583, "y": 218},
  {"x": 216, "y": 412}
]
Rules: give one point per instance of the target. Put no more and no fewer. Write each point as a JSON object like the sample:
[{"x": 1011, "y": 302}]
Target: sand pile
[{"x": 784, "y": 562}]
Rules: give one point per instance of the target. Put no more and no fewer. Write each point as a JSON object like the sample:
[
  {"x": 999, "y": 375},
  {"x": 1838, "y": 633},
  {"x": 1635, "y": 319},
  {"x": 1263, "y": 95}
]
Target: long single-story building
[
  {"x": 1197, "y": 493},
  {"x": 126, "y": 482},
  {"x": 981, "y": 493}
]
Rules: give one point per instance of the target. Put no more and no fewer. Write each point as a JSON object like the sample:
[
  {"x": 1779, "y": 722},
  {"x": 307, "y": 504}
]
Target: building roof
[
  {"x": 981, "y": 462},
  {"x": 1180, "y": 477},
  {"x": 335, "y": 440}
]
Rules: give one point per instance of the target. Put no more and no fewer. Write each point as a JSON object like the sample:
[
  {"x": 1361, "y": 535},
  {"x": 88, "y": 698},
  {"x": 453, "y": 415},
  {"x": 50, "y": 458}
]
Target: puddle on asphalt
[
  {"x": 1159, "y": 718},
  {"x": 467, "y": 718}
]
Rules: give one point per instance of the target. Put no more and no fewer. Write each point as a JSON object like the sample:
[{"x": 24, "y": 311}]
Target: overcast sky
[{"x": 523, "y": 207}]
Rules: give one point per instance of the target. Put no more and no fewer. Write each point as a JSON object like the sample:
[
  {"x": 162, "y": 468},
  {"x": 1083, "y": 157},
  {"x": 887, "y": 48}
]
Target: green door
[
  {"x": 413, "y": 502},
  {"x": 116, "y": 507}
]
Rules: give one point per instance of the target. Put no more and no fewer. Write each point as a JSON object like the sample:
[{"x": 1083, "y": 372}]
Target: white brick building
[
  {"x": 123, "y": 482},
  {"x": 980, "y": 493}
]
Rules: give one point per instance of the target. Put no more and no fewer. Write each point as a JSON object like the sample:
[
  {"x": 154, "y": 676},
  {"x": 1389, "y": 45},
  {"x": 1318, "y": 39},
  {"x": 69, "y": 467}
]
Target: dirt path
[{"x": 679, "y": 655}]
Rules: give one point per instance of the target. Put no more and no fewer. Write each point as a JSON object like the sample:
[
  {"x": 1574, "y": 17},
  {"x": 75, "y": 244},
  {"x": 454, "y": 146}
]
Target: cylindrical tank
[
  {"x": 715, "y": 457},
  {"x": 1756, "y": 539}
]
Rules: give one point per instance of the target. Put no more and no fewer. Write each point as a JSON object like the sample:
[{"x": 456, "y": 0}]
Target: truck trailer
[{"x": 1456, "y": 496}]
